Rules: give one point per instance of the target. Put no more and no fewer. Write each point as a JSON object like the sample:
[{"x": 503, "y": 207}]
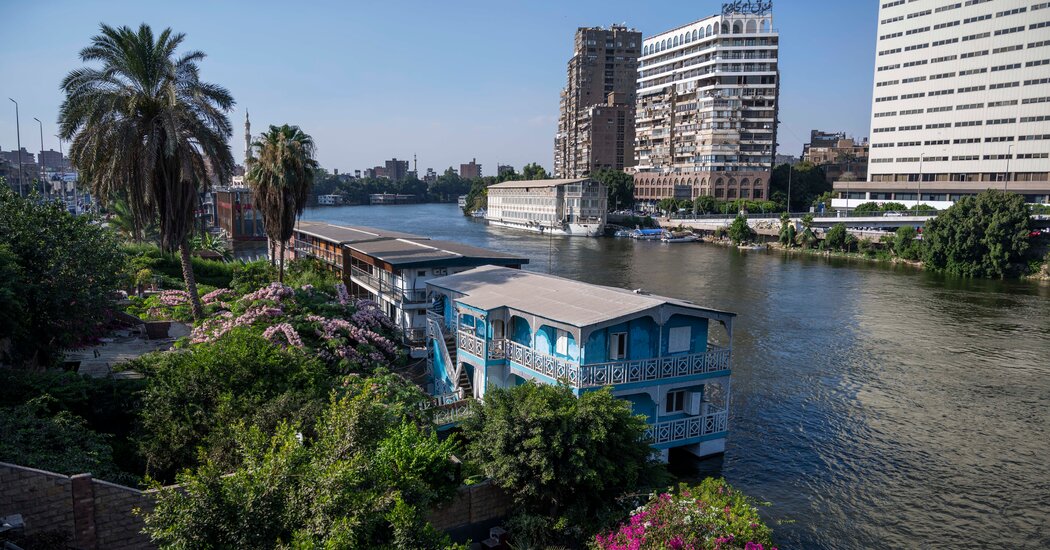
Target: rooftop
[
  {"x": 535, "y": 183},
  {"x": 342, "y": 234},
  {"x": 556, "y": 298}
]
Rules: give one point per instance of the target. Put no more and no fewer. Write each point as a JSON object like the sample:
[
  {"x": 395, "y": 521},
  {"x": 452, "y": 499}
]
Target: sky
[{"x": 447, "y": 81}]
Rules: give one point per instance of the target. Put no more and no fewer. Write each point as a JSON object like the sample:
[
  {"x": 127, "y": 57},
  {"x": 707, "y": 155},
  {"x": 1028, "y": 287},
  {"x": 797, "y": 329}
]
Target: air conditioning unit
[{"x": 693, "y": 403}]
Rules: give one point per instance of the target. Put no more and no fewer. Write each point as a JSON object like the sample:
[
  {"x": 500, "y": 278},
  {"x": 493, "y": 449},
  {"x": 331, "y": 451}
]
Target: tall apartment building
[
  {"x": 706, "y": 113},
  {"x": 961, "y": 102},
  {"x": 602, "y": 71},
  {"x": 470, "y": 170}
]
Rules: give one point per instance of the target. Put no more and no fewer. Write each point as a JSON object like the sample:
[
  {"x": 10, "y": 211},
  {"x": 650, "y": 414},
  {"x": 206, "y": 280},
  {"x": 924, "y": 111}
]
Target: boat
[
  {"x": 683, "y": 237},
  {"x": 622, "y": 233},
  {"x": 647, "y": 234},
  {"x": 479, "y": 213},
  {"x": 752, "y": 247}
]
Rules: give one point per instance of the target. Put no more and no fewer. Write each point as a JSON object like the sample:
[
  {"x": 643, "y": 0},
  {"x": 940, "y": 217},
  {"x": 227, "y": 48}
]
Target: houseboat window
[
  {"x": 421, "y": 274},
  {"x": 421, "y": 312},
  {"x": 678, "y": 339},
  {"x": 562, "y": 345},
  {"x": 497, "y": 329},
  {"x": 617, "y": 345},
  {"x": 675, "y": 401}
]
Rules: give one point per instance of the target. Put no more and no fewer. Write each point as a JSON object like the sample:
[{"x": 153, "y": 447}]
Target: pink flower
[{"x": 283, "y": 329}]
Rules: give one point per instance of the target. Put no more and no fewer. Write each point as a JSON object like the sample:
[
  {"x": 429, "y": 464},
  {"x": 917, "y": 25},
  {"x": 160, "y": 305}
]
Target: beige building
[
  {"x": 841, "y": 158},
  {"x": 557, "y": 206},
  {"x": 601, "y": 72},
  {"x": 705, "y": 118}
]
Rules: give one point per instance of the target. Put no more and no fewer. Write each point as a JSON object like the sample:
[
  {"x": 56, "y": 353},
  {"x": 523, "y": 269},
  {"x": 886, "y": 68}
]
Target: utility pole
[
  {"x": 789, "y": 188},
  {"x": 40, "y": 158},
  {"x": 1009, "y": 155},
  {"x": 18, "y": 136}
]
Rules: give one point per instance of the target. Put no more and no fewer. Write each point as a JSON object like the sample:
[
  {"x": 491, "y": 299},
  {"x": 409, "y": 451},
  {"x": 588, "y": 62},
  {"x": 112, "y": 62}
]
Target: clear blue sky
[{"x": 445, "y": 80}]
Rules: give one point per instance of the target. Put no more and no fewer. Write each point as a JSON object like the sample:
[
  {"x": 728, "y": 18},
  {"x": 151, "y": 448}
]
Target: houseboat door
[
  {"x": 617, "y": 346},
  {"x": 497, "y": 329}
]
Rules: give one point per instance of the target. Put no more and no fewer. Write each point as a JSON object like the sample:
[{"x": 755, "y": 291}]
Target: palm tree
[
  {"x": 144, "y": 126},
  {"x": 281, "y": 173}
]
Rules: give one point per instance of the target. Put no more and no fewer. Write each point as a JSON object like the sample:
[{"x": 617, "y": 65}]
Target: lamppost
[
  {"x": 918, "y": 195},
  {"x": 18, "y": 136},
  {"x": 40, "y": 159},
  {"x": 1009, "y": 155},
  {"x": 789, "y": 189}
]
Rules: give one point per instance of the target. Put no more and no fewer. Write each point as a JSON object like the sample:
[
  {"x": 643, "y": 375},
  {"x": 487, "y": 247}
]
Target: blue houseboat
[{"x": 498, "y": 327}]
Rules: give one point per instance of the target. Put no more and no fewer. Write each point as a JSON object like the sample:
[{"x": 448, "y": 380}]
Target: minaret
[{"x": 247, "y": 139}]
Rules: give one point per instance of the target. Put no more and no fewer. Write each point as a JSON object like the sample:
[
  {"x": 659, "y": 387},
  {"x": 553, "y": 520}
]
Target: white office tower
[{"x": 961, "y": 102}]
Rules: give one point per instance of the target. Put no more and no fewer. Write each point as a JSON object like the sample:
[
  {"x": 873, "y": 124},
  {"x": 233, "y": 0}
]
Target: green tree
[
  {"x": 63, "y": 271},
  {"x": 905, "y": 244},
  {"x": 620, "y": 185},
  {"x": 893, "y": 207},
  {"x": 740, "y": 231},
  {"x": 923, "y": 207},
  {"x": 566, "y": 461},
  {"x": 980, "y": 236},
  {"x": 533, "y": 171},
  {"x": 867, "y": 208},
  {"x": 837, "y": 237},
  {"x": 145, "y": 126},
  {"x": 807, "y": 183},
  {"x": 281, "y": 174},
  {"x": 363, "y": 479},
  {"x": 705, "y": 204},
  {"x": 787, "y": 230}
]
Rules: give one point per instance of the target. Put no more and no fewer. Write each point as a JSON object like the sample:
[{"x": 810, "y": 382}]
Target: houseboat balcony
[
  {"x": 612, "y": 373},
  {"x": 400, "y": 295},
  {"x": 683, "y": 429}
]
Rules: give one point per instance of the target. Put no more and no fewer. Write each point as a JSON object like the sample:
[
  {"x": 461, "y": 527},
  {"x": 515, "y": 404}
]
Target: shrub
[
  {"x": 740, "y": 231},
  {"x": 893, "y": 207},
  {"x": 251, "y": 276},
  {"x": 837, "y": 237},
  {"x": 711, "y": 515},
  {"x": 867, "y": 208},
  {"x": 905, "y": 244},
  {"x": 980, "y": 236}
]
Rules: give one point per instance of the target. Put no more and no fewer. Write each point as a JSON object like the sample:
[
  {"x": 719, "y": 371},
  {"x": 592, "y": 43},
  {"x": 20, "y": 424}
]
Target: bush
[
  {"x": 740, "y": 231},
  {"x": 905, "y": 243},
  {"x": 837, "y": 237},
  {"x": 980, "y": 236},
  {"x": 565, "y": 460},
  {"x": 711, "y": 515},
  {"x": 251, "y": 276},
  {"x": 62, "y": 270},
  {"x": 867, "y": 208},
  {"x": 312, "y": 272}
]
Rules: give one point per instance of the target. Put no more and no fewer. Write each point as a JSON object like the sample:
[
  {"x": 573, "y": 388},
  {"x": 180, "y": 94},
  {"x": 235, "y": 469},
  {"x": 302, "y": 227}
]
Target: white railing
[
  {"x": 470, "y": 343},
  {"x": 614, "y": 372},
  {"x": 658, "y": 368},
  {"x": 435, "y": 331},
  {"x": 445, "y": 399},
  {"x": 452, "y": 413},
  {"x": 687, "y": 428}
]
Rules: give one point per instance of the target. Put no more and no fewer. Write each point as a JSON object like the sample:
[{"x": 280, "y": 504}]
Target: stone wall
[
  {"x": 94, "y": 514},
  {"x": 473, "y": 504}
]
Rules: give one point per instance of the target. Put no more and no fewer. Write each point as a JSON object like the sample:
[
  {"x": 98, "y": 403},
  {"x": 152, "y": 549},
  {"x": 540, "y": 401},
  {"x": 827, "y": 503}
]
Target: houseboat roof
[
  {"x": 519, "y": 184},
  {"x": 556, "y": 298},
  {"x": 419, "y": 251},
  {"x": 341, "y": 234}
]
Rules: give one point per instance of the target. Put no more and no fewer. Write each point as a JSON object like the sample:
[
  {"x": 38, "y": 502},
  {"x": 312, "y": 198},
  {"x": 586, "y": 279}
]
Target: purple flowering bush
[{"x": 708, "y": 516}]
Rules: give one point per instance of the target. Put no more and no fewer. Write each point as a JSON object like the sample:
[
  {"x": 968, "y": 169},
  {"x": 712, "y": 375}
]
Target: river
[{"x": 873, "y": 406}]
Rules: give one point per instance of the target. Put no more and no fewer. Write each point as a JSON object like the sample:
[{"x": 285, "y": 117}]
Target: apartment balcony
[
  {"x": 386, "y": 288},
  {"x": 714, "y": 362},
  {"x": 693, "y": 427}
]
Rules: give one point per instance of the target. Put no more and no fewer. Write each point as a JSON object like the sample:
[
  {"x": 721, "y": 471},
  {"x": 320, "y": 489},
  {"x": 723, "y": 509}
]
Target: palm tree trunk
[
  {"x": 191, "y": 280},
  {"x": 273, "y": 251},
  {"x": 280, "y": 273}
]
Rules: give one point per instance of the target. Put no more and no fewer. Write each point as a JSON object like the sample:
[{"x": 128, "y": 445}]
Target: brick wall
[
  {"x": 44, "y": 499},
  {"x": 472, "y": 504}
]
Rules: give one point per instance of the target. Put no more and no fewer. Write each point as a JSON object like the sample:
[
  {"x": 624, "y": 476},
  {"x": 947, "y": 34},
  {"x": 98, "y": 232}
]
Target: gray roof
[
  {"x": 556, "y": 298},
  {"x": 346, "y": 234},
  {"x": 419, "y": 251},
  {"x": 535, "y": 183}
]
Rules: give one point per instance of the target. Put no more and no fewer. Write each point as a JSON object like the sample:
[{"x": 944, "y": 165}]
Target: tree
[
  {"x": 145, "y": 126},
  {"x": 905, "y": 244},
  {"x": 740, "y": 231},
  {"x": 867, "y": 208},
  {"x": 837, "y": 237},
  {"x": 705, "y": 204},
  {"x": 893, "y": 207},
  {"x": 281, "y": 174},
  {"x": 62, "y": 269},
  {"x": 533, "y": 171},
  {"x": 980, "y": 236},
  {"x": 787, "y": 230},
  {"x": 807, "y": 183},
  {"x": 620, "y": 185},
  {"x": 565, "y": 460}
]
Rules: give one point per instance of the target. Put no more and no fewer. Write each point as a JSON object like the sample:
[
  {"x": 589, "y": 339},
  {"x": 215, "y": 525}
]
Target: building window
[
  {"x": 562, "y": 344},
  {"x": 618, "y": 346},
  {"x": 678, "y": 339},
  {"x": 675, "y": 401}
]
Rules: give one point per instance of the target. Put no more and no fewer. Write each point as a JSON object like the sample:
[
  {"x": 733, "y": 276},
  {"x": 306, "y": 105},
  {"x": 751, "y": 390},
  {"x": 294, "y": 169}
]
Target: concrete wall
[{"x": 94, "y": 514}]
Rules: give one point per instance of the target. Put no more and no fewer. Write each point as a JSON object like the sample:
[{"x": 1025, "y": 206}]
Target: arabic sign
[{"x": 747, "y": 7}]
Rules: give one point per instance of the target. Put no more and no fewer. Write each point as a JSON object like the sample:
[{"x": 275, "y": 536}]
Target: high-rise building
[
  {"x": 53, "y": 160},
  {"x": 393, "y": 169},
  {"x": 961, "y": 103},
  {"x": 706, "y": 113},
  {"x": 470, "y": 170},
  {"x": 604, "y": 62}
]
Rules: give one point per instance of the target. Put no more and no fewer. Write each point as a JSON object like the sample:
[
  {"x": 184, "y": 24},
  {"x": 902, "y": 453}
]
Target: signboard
[{"x": 747, "y": 7}]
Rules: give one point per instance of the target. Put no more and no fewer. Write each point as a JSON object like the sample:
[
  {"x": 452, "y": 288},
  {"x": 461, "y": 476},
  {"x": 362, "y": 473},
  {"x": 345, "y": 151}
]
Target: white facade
[
  {"x": 706, "y": 107},
  {"x": 961, "y": 100},
  {"x": 565, "y": 207}
]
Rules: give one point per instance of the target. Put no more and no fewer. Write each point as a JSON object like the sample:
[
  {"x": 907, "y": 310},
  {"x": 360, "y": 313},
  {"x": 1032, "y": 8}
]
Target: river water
[{"x": 873, "y": 406}]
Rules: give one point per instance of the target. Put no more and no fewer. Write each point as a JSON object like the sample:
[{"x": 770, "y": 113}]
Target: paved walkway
[{"x": 119, "y": 347}]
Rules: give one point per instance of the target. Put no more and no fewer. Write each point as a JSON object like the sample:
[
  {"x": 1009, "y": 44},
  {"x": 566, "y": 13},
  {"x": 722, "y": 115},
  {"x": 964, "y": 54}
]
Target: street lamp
[
  {"x": 918, "y": 196},
  {"x": 789, "y": 189},
  {"x": 18, "y": 136},
  {"x": 40, "y": 159},
  {"x": 1009, "y": 155}
]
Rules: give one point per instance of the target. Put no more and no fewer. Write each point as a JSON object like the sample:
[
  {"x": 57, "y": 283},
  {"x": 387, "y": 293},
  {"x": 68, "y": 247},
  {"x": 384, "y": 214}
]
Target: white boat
[
  {"x": 647, "y": 234},
  {"x": 479, "y": 213},
  {"x": 570, "y": 229},
  {"x": 680, "y": 238},
  {"x": 622, "y": 233},
  {"x": 752, "y": 247}
]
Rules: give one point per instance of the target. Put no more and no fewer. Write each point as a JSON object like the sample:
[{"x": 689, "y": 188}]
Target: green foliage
[
  {"x": 980, "y": 236},
  {"x": 740, "y": 231},
  {"x": 905, "y": 243},
  {"x": 250, "y": 276},
  {"x": 362, "y": 479},
  {"x": 477, "y": 197},
  {"x": 867, "y": 208},
  {"x": 787, "y": 230},
  {"x": 64, "y": 270},
  {"x": 893, "y": 207},
  {"x": 534, "y": 171},
  {"x": 209, "y": 244},
  {"x": 705, "y": 204},
  {"x": 923, "y": 207},
  {"x": 310, "y": 271},
  {"x": 808, "y": 183},
  {"x": 711, "y": 515},
  {"x": 560, "y": 457},
  {"x": 620, "y": 185},
  {"x": 838, "y": 238},
  {"x": 195, "y": 397},
  {"x": 167, "y": 268}
]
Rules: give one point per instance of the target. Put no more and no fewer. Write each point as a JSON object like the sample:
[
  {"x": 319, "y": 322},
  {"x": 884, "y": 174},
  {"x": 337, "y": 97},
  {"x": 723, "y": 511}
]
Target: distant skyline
[{"x": 445, "y": 81}]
